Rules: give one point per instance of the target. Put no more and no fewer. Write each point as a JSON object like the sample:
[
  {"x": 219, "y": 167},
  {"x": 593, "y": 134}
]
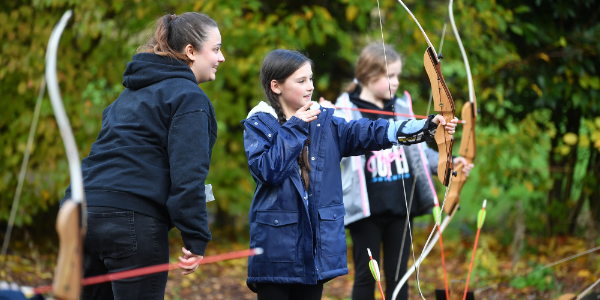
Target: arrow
[
  {"x": 480, "y": 220},
  {"x": 375, "y": 272}
]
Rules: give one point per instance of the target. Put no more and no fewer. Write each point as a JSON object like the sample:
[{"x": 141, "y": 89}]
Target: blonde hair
[{"x": 371, "y": 64}]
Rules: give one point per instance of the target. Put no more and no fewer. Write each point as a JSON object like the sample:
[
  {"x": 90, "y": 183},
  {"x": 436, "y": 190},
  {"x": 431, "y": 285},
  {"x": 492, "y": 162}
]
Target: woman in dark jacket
[
  {"x": 146, "y": 171},
  {"x": 294, "y": 154}
]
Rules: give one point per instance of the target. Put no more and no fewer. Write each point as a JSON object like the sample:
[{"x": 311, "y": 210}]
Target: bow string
[{"x": 395, "y": 129}]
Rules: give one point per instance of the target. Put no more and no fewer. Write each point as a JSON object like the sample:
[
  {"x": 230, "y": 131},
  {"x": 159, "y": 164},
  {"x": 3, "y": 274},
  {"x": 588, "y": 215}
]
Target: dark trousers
[
  {"x": 119, "y": 240},
  {"x": 370, "y": 233},
  {"x": 278, "y": 291}
]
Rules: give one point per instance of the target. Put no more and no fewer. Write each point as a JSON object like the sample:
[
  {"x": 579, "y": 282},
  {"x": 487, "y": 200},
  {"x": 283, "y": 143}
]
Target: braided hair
[{"x": 279, "y": 65}]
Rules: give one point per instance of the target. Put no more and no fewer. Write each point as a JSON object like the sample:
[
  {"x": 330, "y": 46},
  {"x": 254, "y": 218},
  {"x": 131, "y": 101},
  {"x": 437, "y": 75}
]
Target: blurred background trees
[{"x": 535, "y": 66}]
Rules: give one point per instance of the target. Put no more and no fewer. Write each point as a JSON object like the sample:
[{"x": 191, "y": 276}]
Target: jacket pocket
[
  {"x": 333, "y": 236},
  {"x": 276, "y": 233}
]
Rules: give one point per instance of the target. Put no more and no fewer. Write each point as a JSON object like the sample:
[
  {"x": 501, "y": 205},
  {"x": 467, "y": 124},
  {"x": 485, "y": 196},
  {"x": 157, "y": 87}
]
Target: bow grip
[{"x": 69, "y": 268}]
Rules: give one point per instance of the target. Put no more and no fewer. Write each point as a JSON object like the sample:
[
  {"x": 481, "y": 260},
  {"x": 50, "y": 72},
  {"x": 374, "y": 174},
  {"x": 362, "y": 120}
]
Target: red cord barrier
[{"x": 155, "y": 269}]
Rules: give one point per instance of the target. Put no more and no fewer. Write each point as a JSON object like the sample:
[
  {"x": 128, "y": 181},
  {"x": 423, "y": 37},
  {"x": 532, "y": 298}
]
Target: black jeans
[
  {"x": 369, "y": 233},
  {"x": 278, "y": 291},
  {"x": 119, "y": 240}
]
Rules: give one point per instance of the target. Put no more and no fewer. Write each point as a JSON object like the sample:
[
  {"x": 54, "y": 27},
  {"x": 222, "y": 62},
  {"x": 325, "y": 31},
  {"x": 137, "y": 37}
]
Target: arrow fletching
[
  {"x": 481, "y": 215},
  {"x": 374, "y": 270},
  {"x": 437, "y": 215}
]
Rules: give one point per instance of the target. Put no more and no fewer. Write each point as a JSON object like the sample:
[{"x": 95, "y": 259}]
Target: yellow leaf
[
  {"x": 562, "y": 41},
  {"x": 185, "y": 283},
  {"x": 551, "y": 131},
  {"x": 198, "y": 6},
  {"x": 22, "y": 87},
  {"x": 351, "y": 13},
  {"x": 45, "y": 195},
  {"x": 529, "y": 186},
  {"x": 486, "y": 93},
  {"x": 495, "y": 191},
  {"x": 537, "y": 89},
  {"x": 584, "y": 141},
  {"x": 570, "y": 138},
  {"x": 584, "y": 273},
  {"x": 595, "y": 136},
  {"x": 597, "y": 121},
  {"x": 564, "y": 149},
  {"x": 309, "y": 14},
  {"x": 545, "y": 57}
]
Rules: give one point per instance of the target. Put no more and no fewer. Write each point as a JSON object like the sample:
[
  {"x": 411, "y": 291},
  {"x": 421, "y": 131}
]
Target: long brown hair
[
  {"x": 173, "y": 33},
  {"x": 279, "y": 65},
  {"x": 371, "y": 64}
]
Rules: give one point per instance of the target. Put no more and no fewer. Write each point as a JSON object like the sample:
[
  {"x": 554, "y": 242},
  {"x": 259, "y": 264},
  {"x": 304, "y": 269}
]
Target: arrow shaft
[{"x": 471, "y": 264}]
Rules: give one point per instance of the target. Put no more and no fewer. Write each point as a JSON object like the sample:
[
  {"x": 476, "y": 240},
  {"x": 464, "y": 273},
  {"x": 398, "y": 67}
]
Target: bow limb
[
  {"x": 468, "y": 146},
  {"x": 71, "y": 220},
  {"x": 443, "y": 104}
]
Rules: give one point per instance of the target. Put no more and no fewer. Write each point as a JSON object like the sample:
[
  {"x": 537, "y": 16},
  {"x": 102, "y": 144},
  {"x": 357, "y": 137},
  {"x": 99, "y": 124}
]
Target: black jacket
[{"x": 153, "y": 152}]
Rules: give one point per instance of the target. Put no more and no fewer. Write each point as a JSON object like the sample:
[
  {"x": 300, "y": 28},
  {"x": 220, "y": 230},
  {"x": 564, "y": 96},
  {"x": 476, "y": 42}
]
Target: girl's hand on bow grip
[
  {"x": 307, "y": 115},
  {"x": 450, "y": 127}
]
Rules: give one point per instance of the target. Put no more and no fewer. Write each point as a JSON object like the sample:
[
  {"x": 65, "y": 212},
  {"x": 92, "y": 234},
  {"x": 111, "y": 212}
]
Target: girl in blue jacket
[
  {"x": 294, "y": 148},
  {"x": 146, "y": 171}
]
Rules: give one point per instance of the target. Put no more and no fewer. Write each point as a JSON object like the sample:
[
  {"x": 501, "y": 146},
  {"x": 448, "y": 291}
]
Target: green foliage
[
  {"x": 534, "y": 63},
  {"x": 541, "y": 280}
]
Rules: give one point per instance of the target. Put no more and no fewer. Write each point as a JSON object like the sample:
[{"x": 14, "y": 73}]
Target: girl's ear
[
  {"x": 189, "y": 52},
  {"x": 275, "y": 87}
]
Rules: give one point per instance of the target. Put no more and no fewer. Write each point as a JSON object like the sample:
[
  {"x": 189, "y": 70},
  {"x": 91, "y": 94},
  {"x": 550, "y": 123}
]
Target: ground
[{"x": 226, "y": 280}]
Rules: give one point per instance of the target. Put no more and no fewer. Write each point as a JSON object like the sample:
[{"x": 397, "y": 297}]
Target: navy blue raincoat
[{"x": 301, "y": 232}]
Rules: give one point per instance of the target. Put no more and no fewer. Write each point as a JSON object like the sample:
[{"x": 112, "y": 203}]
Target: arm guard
[{"x": 425, "y": 134}]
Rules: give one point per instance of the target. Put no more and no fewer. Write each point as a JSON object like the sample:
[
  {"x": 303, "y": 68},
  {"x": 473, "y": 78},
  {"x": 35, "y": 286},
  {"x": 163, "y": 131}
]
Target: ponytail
[
  {"x": 352, "y": 86},
  {"x": 173, "y": 33}
]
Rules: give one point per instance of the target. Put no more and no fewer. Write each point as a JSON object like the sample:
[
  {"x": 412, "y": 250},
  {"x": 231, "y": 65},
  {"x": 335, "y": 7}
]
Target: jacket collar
[{"x": 264, "y": 107}]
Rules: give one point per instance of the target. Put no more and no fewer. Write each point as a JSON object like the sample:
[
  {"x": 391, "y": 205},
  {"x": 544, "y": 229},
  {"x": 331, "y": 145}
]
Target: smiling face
[
  {"x": 204, "y": 63},
  {"x": 296, "y": 90},
  {"x": 379, "y": 87}
]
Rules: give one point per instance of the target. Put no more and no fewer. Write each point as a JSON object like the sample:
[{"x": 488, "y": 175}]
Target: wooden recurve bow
[{"x": 71, "y": 220}]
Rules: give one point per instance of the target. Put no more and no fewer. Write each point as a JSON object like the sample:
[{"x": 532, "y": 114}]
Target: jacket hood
[
  {"x": 148, "y": 68},
  {"x": 264, "y": 107}
]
